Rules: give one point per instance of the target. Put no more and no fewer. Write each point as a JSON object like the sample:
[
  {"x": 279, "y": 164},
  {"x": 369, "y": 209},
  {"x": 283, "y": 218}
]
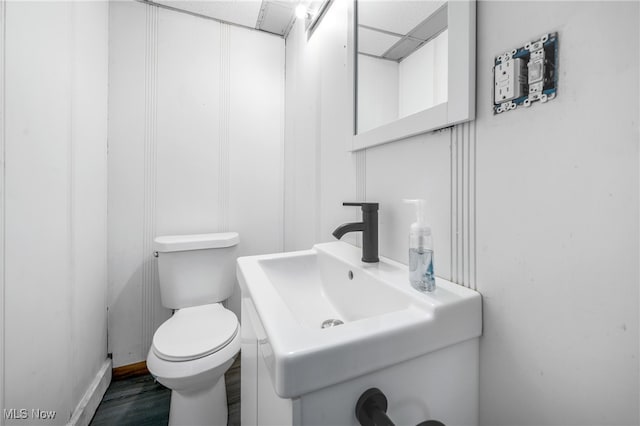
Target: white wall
[
  {"x": 558, "y": 224},
  {"x": 537, "y": 208},
  {"x": 196, "y": 145},
  {"x": 423, "y": 76},
  {"x": 378, "y": 92},
  {"x": 54, "y": 204},
  {"x": 388, "y": 90},
  {"x": 319, "y": 173}
]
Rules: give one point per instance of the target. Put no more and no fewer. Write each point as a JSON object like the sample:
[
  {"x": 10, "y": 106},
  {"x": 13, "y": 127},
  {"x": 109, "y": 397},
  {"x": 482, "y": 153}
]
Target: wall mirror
[{"x": 413, "y": 67}]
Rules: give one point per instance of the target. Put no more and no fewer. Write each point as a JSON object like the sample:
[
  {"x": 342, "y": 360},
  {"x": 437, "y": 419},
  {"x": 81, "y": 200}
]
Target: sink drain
[{"x": 331, "y": 323}]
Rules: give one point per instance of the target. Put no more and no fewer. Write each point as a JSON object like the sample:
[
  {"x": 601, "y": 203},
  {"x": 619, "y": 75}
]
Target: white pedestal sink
[{"x": 390, "y": 334}]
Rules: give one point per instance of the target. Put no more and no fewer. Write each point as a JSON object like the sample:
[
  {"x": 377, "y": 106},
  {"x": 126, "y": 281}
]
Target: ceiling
[
  {"x": 389, "y": 29},
  {"x": 273, "y": 16}
]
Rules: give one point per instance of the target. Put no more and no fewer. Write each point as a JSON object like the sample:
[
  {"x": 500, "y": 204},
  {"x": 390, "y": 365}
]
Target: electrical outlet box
[
  {"x": 510, "y": 80},
  {"x": 526, "y": 75}
]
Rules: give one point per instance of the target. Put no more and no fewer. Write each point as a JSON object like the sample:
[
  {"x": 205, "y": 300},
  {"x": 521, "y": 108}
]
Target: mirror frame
[{"x": 461, "y": 96}]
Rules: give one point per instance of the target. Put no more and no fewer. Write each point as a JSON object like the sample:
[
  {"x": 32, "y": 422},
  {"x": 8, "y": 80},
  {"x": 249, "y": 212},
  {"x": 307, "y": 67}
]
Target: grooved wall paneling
[
  {"x": 223, "y": 167},
  {"x": 54, "y": 147},
  {"x": 38, "y": 172},
  {"x": 3, "y": 6},
  {"x": 463, "y": 213},
  {"x": 460, "y": 237},
  {"x": 128, "y": 66},
  {"x": 334, "y": 165},
  {"x": 182, "y": 158},
  {"x": 301, "y": 201},
  {"x": 89, "y": 193},
  {"x": 319, "y": 173},
  {"x": 150, "y": 165},
  {"x": 255, "y": 146}
]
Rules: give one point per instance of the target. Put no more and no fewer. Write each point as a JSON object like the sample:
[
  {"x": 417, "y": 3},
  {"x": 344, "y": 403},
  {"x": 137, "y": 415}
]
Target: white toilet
[{"x": 193, "y": 349}]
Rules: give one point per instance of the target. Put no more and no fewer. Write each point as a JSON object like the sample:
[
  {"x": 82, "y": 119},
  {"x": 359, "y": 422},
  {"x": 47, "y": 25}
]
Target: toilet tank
[{"x": 196, "y": 269}]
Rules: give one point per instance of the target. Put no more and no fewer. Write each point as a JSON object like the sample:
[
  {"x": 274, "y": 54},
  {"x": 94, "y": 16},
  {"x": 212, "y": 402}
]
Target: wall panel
[
  {"x": 89, "y": 208},
  {"x": 422, "y": 172},
  {"x": 128, "y": 103},
  {"x": 182, "y": 157},
  {"x": 38, "y": 178},
  {"x": 254, "y": 158},
  {"x": 319, "y": 173},
  {"x": 302, "y": 126},
  {"x": 3, "y": 23},
  {"x": 54, "y": 203},
  {"x": 189, "y": 105},
  {"x": 557, "y": 235}
]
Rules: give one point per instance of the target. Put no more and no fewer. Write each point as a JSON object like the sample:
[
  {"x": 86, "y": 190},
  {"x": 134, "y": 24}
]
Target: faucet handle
[{"x": 365, "y": 206}]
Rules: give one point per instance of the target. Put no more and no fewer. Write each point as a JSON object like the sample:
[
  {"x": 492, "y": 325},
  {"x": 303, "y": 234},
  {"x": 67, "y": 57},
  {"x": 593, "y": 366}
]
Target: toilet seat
[{"x": 195, "y": 332}]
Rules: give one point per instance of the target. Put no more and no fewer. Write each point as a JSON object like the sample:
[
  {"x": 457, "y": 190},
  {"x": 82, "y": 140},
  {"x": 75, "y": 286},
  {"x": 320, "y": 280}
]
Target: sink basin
[
  {"x": 316, "y": 287},
  {"x": 382, "y": 320}
]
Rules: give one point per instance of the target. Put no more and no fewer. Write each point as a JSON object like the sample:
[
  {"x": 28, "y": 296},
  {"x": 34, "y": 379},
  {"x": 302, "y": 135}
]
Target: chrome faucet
[{"x": 369, "y": 228}]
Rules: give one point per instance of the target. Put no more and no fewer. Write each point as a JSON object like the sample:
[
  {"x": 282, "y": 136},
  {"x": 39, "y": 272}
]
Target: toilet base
[
  {"x": 198, "y": 393},
  {"x": 206, "y": 406}
]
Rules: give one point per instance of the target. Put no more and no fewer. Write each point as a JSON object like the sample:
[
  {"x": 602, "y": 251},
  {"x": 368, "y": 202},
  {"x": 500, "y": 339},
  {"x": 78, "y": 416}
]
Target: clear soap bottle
[{"x": 421, "y": 273}]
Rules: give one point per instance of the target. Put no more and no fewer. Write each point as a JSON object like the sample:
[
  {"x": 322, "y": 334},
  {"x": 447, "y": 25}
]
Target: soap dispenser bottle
[{"x": 421, "y": 251}]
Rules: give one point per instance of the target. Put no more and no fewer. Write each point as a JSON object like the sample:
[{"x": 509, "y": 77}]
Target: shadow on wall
[{"x": 128, "y": 342}]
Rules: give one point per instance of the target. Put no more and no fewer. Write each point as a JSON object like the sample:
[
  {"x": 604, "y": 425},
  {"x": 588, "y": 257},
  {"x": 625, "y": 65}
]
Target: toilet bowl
[
  {"x": 192, "y": 363},
  {"x": 193, "y": 349}
]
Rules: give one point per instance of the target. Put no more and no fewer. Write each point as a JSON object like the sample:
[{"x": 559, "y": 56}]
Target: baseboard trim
[
  {"x": 88, "y": 405},
  {"x": 131, "y": 370}
]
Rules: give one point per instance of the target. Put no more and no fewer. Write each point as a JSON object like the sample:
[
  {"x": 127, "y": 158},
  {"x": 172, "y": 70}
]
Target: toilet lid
[{"x": 195, "y": 332}]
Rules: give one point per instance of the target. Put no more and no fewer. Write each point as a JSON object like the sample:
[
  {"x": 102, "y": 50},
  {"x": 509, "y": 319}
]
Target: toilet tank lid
[{"x": 169, "y": 243}]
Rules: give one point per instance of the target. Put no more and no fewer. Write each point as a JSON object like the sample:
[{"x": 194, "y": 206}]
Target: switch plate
[{"x": 527, "y": 74}]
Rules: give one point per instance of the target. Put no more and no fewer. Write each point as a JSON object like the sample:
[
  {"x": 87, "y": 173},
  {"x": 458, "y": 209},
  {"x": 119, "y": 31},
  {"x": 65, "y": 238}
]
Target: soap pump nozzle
[
  {"x": 420, "y": 210},
  {"x": 419, "y": 232}
]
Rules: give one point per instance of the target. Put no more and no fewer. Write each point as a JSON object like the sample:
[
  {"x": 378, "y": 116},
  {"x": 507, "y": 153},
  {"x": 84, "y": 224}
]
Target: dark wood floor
[{"x": 140, "y": 401}]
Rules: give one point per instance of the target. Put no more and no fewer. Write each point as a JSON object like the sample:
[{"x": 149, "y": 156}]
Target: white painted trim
[
  {"x": 460, "y": 106},
  {"x": 283, "y": 171},
  {"x": 461, "y": 97},
  {"x": 359, "y": 157},
  {"x": 3, "y": 27},
  {"x": 224, "y": 118},
  {"x": 351, "y": 72},
  {"x": 453, "y": 167},
  {"x": 412, "y": 125},
  {"x": 149, "y": 272},
  {"x": 361, "y": 186},
  {"x": 463, "y": 205},
  {"x": 71, "y": 190},
  {"x": 88, "y": 405}
]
